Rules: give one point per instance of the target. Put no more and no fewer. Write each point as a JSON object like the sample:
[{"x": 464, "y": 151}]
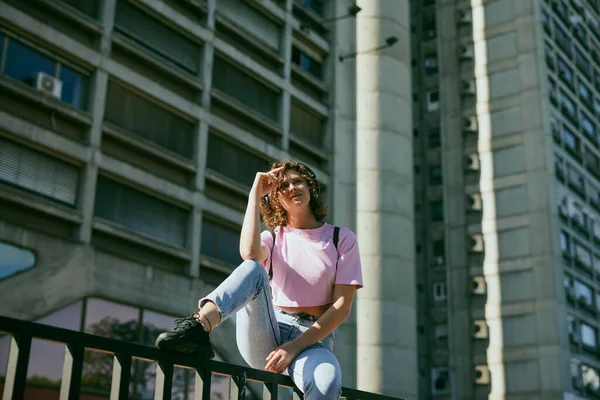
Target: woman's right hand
[{"x": 264, "y": 182}]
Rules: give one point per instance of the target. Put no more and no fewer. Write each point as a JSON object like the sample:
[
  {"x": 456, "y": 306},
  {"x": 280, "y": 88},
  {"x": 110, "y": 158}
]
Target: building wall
[{"x": 143, "y": 165}]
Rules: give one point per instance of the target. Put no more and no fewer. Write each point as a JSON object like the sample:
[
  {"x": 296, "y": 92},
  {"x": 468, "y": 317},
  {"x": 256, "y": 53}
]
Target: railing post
[
  {"x": 72, "y": 370},
  {"x": 16, "y": 371},
  {"x": 164, "y": 381},
  {"x": 270, "y": 391},
  {"x": 202, "y": 384},
  {"x": 119, "y": 389},
  {"x": 297, "y": 395},
  {"x": 238, "y": 387}
]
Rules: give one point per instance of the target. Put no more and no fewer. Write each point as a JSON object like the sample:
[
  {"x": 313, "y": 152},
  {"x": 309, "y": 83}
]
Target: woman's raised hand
[{"x": 264, "y": 182}]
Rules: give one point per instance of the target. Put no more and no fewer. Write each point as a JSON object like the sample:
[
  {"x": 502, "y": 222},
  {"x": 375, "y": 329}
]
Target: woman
[{"x": 285, "y": 324}]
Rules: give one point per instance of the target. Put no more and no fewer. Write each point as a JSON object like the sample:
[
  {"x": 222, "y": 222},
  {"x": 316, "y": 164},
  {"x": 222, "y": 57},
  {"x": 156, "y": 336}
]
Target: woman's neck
[{"x": 304, "y": 220}]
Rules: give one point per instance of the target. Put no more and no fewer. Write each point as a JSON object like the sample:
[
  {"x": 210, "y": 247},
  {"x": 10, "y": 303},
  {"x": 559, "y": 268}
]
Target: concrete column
[
  {"x": 97, "y": 106},
  {"x": 386, "y": 309},
  {"x": 201, "y": 133},
  {"x": 286, "y": 97}
]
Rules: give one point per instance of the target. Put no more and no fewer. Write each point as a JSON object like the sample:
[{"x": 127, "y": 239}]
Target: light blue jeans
[{"x": 260, "y": 328}]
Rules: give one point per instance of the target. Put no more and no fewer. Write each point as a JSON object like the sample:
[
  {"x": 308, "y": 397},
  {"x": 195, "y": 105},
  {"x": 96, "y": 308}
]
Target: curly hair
[{"x": 272, "y": 211}]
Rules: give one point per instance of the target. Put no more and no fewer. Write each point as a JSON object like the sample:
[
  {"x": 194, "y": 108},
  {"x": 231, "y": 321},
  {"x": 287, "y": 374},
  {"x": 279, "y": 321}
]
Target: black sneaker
[{"x": 188, "y": 337}]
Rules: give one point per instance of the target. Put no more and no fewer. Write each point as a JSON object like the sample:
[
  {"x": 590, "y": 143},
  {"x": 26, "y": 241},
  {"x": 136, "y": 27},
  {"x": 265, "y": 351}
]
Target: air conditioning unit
[
  {"x": 468, "y": 88},
  {"x": 480, "y": 329},
  {"x": 466, "y": 52},
  {"x": 474, "y": 202},
  {"x": 472, "y": 162},
  {"x": 482, "y": 375},
  {"x": 464, "y": 17},
  {"x": 476, "y": 243},
  {"x": 478, "y": 285},
  {"x": 439, "y": 261},
  {"x": 470, "y": 124},
  {"x": 48, "y": 84}
]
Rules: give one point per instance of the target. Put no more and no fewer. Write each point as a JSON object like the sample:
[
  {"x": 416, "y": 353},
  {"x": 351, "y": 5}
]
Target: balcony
[{"x": 123, "y": 353}]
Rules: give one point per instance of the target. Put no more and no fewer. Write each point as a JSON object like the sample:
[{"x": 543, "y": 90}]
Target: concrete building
[
  {"x": 507, "y": 197},
  {"x": 130, "y": 133}
]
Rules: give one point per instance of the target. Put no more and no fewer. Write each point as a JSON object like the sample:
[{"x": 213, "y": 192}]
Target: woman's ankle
[{"x": 209, "y": 316}]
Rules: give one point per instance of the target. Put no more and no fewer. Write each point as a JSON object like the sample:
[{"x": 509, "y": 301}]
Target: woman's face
[{"x": 293, "y": 191}]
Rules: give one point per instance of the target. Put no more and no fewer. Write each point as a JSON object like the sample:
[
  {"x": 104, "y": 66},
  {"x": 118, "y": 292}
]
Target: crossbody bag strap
[
  {"x": 271, "y": 258},
  {"x": 336, "y": 239}
]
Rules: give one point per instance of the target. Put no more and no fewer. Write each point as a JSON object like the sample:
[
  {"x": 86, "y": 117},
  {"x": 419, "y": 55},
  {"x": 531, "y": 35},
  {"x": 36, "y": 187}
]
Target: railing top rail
[{"x": 20, "y": 328}]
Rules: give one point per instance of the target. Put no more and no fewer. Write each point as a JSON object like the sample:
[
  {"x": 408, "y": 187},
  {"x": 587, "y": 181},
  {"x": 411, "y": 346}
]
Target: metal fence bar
[
  {"x": 164, "y": 381},
  {"x": 72, "y": 369},
  {"x": 270, "y": 391},
  {"x": 22, "y": 333},
  {"x": 119, "y": 389},
  {"x": 16, "y": 371},
  {"x": 202, "y": 385}
]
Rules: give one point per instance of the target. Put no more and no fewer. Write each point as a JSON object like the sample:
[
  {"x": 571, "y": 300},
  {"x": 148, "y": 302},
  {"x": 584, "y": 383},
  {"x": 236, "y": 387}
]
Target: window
[
  {"x": 571, "y": 140},
  {"x": 157, "y": 37},
  {"x": 235, "y": 83},
  {"x": 437, "y": 211},
  {"x": 439, "y": 291},
  {"x": 148, "y": 120},
  {"x": 567, "y": 105},
  {"x": 439, "y": 248},
  {"x": 435, "y": 175},
  {"x": 306, "y": 124},
  {"x": 431, "y": 64},
  {"x": 582, "y": 254},
  {"x": 221, "y": 242},
  {"x": 592, "y": 161},
  {"x": 588, "y": 335},
  {"x": 597, "y": 107},
  {"x": 38, "y": 173},
  {"x": 141, "y": 212},
  {"x": 23, "y": 63},
  {"x": 90, "y": 7},
  {"x": 564, "y": 72},
  {"x": 575, "y": 178},
  {"x": 440, "y": 381},
  {"x": 434, "y": 138},
  {"x": 562, "y": 38},
  {"x": 582, "y": 62},
  {"x": 433, "y": 100},
  {"x": 440, "y": 333},
  {"x": 315, "y": 5},
  {"x": 584, "y": 293},
  {"x": 233, "y": 161},
  {"x": 585, "y": 93},
  {"x": 588, "y": 126},
  {"x": 429, "y": 28},
  {"x": 590, "y": 378},
  {"x": 565, "y": 243},
  {"x": 15, "y": 259},
  {"x": 307, "y": 63}
]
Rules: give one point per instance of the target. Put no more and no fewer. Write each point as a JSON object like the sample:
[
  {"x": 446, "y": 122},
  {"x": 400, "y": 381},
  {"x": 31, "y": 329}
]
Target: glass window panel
[
  {"x": 112, "y": 320},
  {"x": 157, "y": 37},
  {"x": 233, "y": 161},
  {"x": 14, "y": 259},
  {"x": 222, "y": 242},
  {"x": 588, "y": 335},
  {"x": 154, "y": 324},
  {"x": 236, "y": 83},
  {"x": 74, "y": 87},
  {"x": 23, "y": 63},
  {"x": 96, "y": 376},
  {"x": 306, "y": 125},
  {"x": 88, "y": 7},
  {"x": 148, "y": 120},
  {"x": 140, "y": 212}
]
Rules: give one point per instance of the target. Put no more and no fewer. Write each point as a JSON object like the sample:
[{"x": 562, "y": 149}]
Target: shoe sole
[{"x": 185, "y": 347}]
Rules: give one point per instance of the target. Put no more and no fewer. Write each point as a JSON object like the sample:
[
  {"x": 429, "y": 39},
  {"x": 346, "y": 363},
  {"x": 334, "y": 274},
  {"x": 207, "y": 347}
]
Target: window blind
[
  {"x": 39, "y": 173},
  {"x": 140, "y": 212}
]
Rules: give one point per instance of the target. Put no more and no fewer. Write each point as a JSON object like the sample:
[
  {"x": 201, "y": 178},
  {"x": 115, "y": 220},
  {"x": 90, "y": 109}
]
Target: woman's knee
[
  {"x": 327, "y": 382},
  {"x": 253, "y": 267}
]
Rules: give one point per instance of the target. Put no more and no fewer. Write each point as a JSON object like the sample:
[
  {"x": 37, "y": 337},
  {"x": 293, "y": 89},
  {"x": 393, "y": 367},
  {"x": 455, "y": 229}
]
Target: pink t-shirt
[{"x": 304, "y": 264}]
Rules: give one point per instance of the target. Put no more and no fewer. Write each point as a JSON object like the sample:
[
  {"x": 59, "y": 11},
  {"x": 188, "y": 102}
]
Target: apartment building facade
[{"x": 507, "y": 197}]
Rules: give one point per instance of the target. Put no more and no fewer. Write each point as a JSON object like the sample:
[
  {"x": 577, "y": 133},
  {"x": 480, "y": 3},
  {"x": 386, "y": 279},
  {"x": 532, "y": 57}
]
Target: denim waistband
[{"x": 300, "y": 315}]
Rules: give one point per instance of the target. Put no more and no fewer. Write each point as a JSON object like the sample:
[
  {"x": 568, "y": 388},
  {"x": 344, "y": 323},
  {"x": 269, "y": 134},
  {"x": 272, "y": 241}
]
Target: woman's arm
[
  {"x": 250, "y": 245},
  {"x": 343, "y": 297}
]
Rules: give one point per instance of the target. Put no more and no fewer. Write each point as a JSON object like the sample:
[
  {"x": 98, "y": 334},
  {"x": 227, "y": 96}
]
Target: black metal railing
[{"x": 76, "y": 343}]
